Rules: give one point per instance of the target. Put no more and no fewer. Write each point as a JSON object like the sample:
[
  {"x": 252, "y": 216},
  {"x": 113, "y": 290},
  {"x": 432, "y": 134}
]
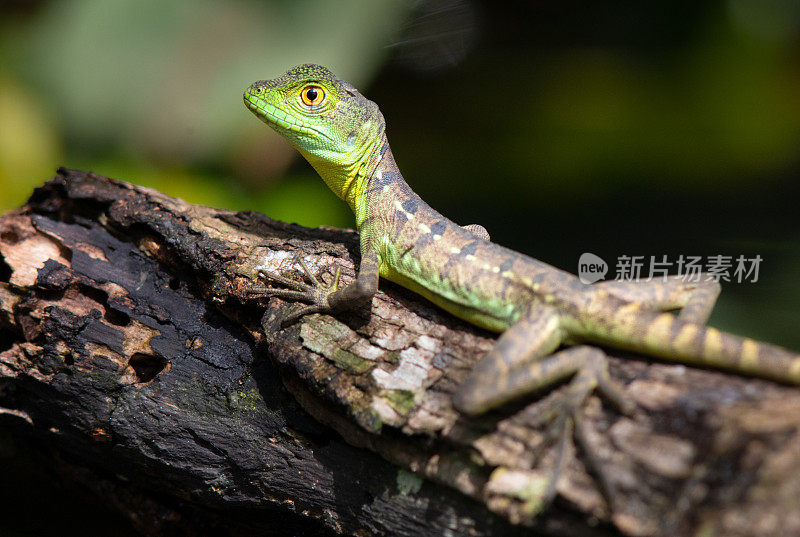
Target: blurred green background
[{"x": 618, "y": 128}]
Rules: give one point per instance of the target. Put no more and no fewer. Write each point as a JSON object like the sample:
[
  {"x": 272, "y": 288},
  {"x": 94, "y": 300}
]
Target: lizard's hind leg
[
  {"x": 488, "y": 385},
  {"x": 518, "y": 364},
  {"x": 588, "y": 367},
  {"x": 695, "y": 299}
]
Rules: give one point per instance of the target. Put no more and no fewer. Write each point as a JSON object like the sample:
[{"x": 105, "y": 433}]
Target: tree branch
[{"x": 132, "y": 342}]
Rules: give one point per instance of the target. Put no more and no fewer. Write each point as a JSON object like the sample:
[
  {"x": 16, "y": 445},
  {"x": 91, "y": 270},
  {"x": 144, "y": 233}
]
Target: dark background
[{"x": 617, "y": 128}]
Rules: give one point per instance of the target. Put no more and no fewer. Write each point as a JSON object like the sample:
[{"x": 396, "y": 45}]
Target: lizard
[{"x": 550, "y": 323}]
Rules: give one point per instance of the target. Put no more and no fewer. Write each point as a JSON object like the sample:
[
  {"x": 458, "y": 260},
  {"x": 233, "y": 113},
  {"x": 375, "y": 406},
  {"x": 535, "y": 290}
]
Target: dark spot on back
[
  {"x": 400, "y": 220},
  {"x": 438, "y": 227},
  {"x": 410, "y": 206},
  {"x": 507, "y": 264},
  {"x": 470, "y": 248}
]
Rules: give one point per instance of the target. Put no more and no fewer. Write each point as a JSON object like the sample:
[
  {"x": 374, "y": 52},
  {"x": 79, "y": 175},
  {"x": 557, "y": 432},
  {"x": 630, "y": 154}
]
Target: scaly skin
[{"x": 537, "y": 307}]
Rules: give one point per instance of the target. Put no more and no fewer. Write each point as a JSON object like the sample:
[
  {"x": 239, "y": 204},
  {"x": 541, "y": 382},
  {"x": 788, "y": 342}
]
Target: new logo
[{"x": 591, "y": 268}]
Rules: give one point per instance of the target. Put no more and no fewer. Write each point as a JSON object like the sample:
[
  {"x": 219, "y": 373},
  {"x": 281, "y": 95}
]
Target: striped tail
[{"x": 638, "y": 329}]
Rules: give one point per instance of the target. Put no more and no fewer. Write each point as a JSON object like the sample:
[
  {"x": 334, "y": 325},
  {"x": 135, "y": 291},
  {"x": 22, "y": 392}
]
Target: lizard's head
[{"x": 335, "y": 127}]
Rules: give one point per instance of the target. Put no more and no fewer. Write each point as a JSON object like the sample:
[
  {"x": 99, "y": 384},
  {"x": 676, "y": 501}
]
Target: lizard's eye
[{"x": 312, "y": 95}]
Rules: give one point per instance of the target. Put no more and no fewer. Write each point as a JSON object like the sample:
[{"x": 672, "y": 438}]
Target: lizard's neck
[{"x": 384, "y": 176}]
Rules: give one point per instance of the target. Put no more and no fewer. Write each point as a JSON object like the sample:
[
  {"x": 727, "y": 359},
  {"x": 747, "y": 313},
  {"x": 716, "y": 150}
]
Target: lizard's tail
[{"x": 635, "y": 328}]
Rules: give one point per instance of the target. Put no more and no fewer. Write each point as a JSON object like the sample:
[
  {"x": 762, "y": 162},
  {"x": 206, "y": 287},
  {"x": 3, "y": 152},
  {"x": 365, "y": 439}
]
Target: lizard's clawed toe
[{"x": 315, "y": 293}]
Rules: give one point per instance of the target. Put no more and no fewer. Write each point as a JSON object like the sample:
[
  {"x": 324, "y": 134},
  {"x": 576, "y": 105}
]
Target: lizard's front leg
[
  {"x": 478, "y": 231},
  {"x": 322, "y": 297}
]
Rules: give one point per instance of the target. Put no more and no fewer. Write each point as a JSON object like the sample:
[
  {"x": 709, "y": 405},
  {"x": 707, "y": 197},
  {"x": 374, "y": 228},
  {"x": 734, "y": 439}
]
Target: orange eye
[{"x": 312, "y": 95}]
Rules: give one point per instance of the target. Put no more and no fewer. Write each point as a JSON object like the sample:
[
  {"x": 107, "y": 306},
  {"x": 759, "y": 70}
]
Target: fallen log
[{"x": 138, "y": 359}]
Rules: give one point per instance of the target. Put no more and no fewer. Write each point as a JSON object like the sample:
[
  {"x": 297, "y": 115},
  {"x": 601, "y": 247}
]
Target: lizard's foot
[
  {"x": 566, "y": 420},
  {"x": 315, "y": 294},
  {"x": 694, "y": 297}
]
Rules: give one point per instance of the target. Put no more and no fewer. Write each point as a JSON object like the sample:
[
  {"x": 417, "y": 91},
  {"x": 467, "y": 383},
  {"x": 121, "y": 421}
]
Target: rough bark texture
[{"x": 134, "y": 359}]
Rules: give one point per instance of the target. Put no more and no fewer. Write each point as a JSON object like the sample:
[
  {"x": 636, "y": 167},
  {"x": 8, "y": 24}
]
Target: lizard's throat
[{"x": 347, "y": 181}]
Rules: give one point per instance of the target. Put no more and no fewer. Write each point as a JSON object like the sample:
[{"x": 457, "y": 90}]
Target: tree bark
[{"x": 137, "y": 358}]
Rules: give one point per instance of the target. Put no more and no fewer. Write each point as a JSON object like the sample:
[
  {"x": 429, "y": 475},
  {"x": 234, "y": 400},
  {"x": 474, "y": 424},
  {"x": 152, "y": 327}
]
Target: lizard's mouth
[{"x": 277, "y": 118}]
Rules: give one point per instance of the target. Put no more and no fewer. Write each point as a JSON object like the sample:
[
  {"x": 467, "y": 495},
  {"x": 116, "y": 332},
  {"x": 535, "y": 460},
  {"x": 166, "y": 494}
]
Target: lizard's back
[{"x": 475, "y": 279}]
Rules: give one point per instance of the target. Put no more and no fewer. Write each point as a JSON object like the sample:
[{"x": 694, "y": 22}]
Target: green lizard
[{"x": 546, "y": 316}]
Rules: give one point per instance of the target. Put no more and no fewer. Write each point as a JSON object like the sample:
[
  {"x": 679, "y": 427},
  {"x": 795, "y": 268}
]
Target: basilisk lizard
[{"x": 547, "y": 317}]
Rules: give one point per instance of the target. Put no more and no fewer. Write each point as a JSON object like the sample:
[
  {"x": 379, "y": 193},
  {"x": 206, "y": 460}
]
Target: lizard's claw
[
  {"x": 270, "y": 277},
  {"x": 316, "y": 293},
  {"x": 566, "y": 421}
]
